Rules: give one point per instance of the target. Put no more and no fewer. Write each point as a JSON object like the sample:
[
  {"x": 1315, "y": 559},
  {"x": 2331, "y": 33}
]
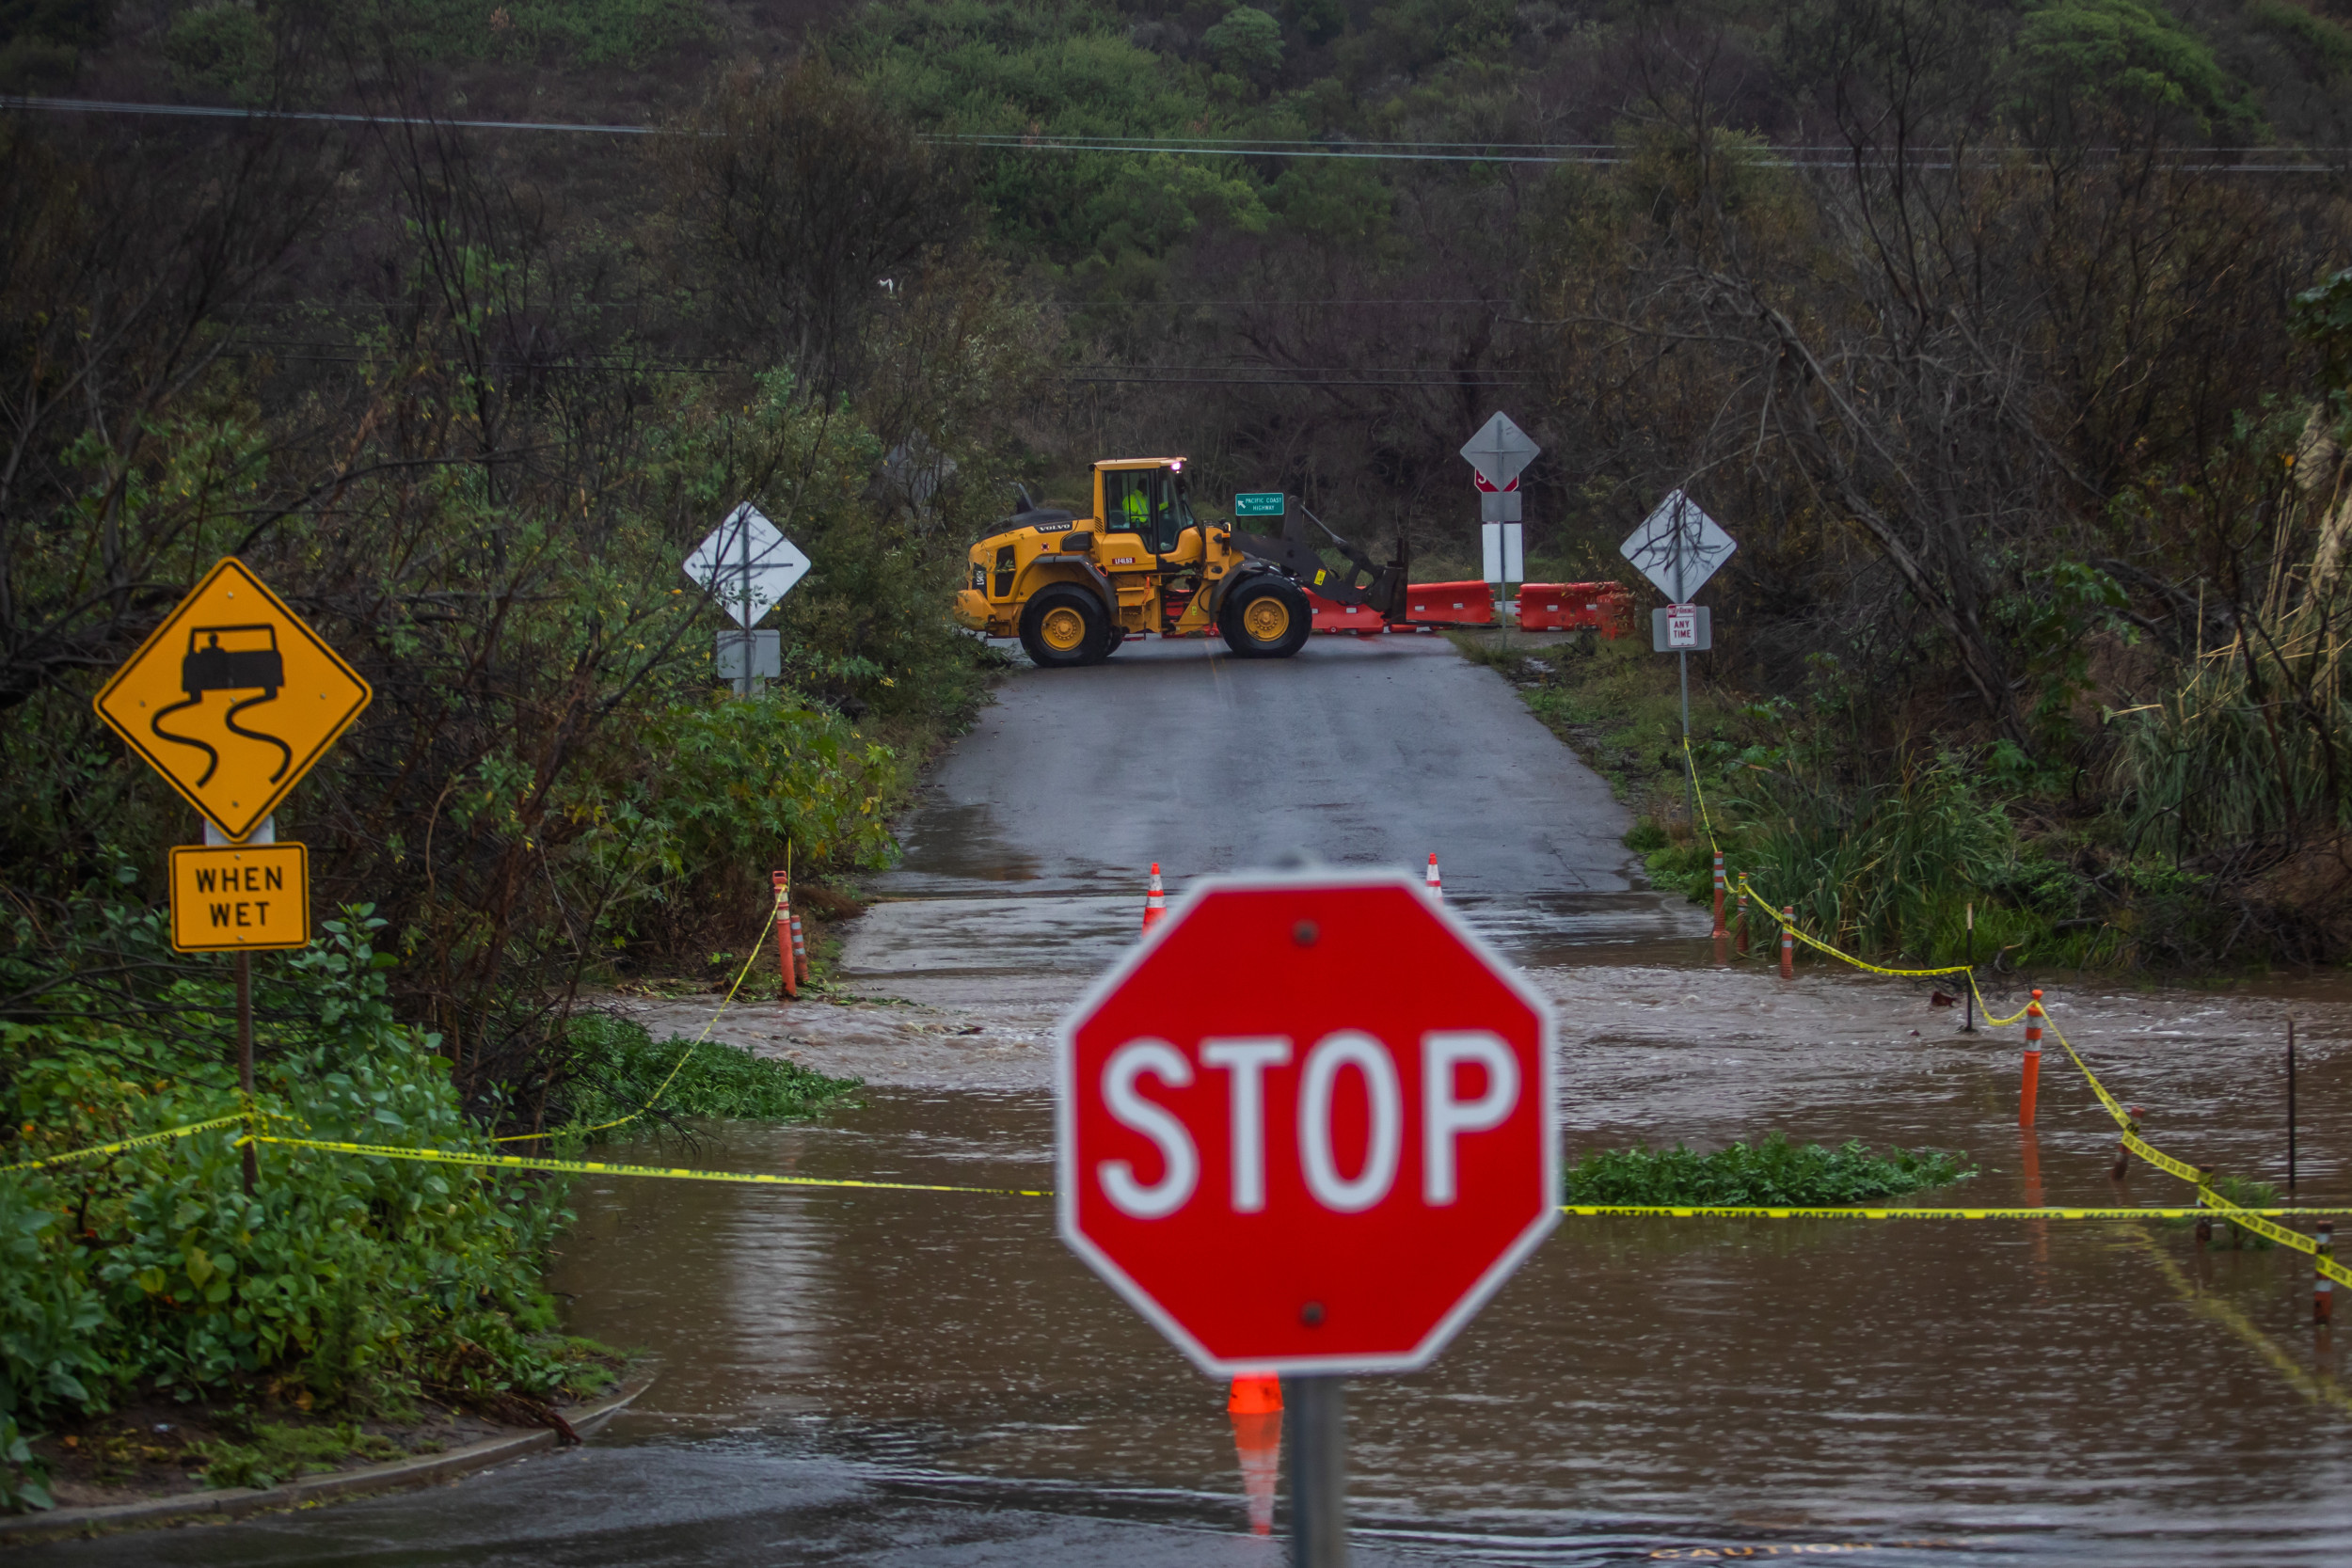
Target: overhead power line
[
  {"x": 1432, "y": 385},
  {"x": 1400, "y": 378},
  {"x": 204, "y": 111},
  {"x": 1790, "y": 156},
  {"x": 1315, "y": 303},
  {"x": 1922, "y": 159}
]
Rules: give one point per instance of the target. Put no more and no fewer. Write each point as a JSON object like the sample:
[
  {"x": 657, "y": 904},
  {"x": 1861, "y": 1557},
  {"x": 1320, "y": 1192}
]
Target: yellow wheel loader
[{"x": 1073, "y": 588}]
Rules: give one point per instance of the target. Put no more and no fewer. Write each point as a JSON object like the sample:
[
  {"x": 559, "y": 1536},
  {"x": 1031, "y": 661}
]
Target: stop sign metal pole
[{"x": 1317, "y": 1411}]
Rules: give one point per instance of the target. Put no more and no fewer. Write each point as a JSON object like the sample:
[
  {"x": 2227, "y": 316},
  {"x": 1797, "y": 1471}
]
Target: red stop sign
[{"x": 1308, "y": 1125}]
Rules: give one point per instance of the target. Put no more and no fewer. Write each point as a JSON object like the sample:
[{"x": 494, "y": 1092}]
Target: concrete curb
[{"x": 236, "y": 1502}]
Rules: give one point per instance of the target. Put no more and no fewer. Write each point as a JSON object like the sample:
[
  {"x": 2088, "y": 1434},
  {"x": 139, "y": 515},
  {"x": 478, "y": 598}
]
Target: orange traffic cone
[
  {"x": 784, "y": 931},
  {"x": 1255, "y": 1408},
  {"x": 1254, "y": 1396},
  {"x": 1155, "y": 901},
  {"x": 1435, "y": 882}
]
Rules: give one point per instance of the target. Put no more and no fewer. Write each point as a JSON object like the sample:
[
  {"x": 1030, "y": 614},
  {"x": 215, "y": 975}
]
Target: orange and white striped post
[
  {"x": 800, "y": 950},
  {"x": 1743, "y": 920},
  {"x": 1719, "y": 932},
  {"x": 785, "y": 926},
  {"x": 1431, "y": 883},
  {"x": 1155, "y": 900},
  {"x": 2323, "y": 1288},
  {"x": 2031, "y": 1085},
  {"x": 1789, "y": 942}
]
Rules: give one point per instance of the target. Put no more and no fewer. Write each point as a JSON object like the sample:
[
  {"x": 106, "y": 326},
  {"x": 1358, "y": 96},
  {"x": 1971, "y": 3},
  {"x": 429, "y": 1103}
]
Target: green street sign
[{"x": 1261, "y": 503}]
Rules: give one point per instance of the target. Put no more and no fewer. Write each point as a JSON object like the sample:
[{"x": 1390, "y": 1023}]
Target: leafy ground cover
[
  {"x": 1774, "y": 1173},
  {"x": 618, "y": 1068},
  {"x": 161, "y": 1327}
]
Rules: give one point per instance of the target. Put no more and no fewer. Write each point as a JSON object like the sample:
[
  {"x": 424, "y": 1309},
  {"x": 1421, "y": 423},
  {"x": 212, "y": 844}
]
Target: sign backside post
[
  {"x": 1682, "y": 657},
  {"x": 1678, "y": 547},
  {"x": 744, "y": 535},
  {"x": 1317, "y": 1411}
]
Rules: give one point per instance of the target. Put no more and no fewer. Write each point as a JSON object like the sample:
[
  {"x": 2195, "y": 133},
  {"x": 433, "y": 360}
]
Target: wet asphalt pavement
[
  {"x": 1030, "y": 850},
  {"x": 904, "y": 1378}
]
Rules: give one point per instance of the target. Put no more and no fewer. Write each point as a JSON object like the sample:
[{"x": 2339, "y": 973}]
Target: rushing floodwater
[{"x": 858, "y": 1377}]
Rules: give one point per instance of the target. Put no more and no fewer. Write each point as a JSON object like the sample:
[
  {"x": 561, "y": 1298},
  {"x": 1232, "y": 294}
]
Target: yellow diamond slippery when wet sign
[{"x": 233, "y": 699}]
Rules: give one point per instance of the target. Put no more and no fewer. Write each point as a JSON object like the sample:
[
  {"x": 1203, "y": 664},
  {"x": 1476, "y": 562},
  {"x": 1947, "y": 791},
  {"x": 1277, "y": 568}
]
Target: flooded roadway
[{"x": 927, "y": 1378}]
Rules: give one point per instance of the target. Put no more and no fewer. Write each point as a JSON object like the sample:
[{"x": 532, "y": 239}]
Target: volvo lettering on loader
[{"x": 1074, "y": 587}]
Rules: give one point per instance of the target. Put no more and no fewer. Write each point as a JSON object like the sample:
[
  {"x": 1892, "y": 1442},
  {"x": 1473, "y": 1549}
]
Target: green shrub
[
  {"x": 1873, "y": 867},
  {"x": 221, "y": 51},
  {"x": 616, "y": 1070},
  {"x": 2247, "y": 1193},
  {"x": 24, "y": 1481},
  {"x": 1248, "y": 42},
  {"x": 365, "y": 1281},
  {"x": 1774, "y": 1173}
]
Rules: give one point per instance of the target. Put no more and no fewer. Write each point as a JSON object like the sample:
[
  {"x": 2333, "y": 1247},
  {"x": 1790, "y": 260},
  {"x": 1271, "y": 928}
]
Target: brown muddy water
[
  {"x": 931, "y": 1378},
  {"x": 2009, "y": 1391}
]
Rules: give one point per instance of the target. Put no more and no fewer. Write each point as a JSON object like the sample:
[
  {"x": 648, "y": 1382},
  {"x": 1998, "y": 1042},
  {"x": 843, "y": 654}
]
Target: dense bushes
[{"x": 365, "y": 1282}]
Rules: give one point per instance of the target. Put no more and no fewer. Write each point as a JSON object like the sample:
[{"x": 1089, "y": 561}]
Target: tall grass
[
  {"x": 1883, "y": 867},
  {"x": 2253, "y": 744}
]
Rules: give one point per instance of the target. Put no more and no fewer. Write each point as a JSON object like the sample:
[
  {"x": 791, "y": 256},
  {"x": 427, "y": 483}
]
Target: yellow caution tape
[
  {"x": 1589, "y": 1211},
  {"x": 1708, "y": 821},
  {"x": 2204, "y": 1303},
  {"x": 1691, "y": 766},
  {"x": 1984, "y": 1008},
  {"x": 1793, "y": 929},
  {"x": 2211, "y": 1202},
  {"x": 592, "y": 1167},
  {"x": 724, "y": 1003},
  {"x": 2122, "y": 1117},
  {"x": 121, "y": 1143}
]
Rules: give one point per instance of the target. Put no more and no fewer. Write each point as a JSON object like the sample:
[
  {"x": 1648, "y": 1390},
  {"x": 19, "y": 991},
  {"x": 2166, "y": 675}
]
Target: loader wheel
[
  {"x": 1265, "y": 618},
  {"x": 1063, "y": 626}
]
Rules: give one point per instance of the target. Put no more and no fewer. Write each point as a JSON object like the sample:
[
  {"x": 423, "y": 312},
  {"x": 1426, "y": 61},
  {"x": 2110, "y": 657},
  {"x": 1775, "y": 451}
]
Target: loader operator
[{"x": 1074, "y": 583}]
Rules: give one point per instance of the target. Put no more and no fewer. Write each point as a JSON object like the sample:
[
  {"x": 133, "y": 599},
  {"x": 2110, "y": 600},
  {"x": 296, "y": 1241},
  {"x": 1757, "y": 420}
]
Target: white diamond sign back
[
  {"x": 1499, "y": 450},
  {"x": 1678, "y": 547},
  {"x": 746, "y": 564}
]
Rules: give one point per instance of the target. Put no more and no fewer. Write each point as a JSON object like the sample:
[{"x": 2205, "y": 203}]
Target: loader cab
[{"x": 1144, "y": 496}]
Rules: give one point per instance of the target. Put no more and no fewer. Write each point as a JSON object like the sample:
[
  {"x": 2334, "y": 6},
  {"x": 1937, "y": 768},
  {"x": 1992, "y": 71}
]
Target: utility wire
[
  {"x": 1405, "y": 378},
  {"x": 1793, "y": 156},
  {"x": 1483, "y": 381},
  {"x": 203, "y": 111}
]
